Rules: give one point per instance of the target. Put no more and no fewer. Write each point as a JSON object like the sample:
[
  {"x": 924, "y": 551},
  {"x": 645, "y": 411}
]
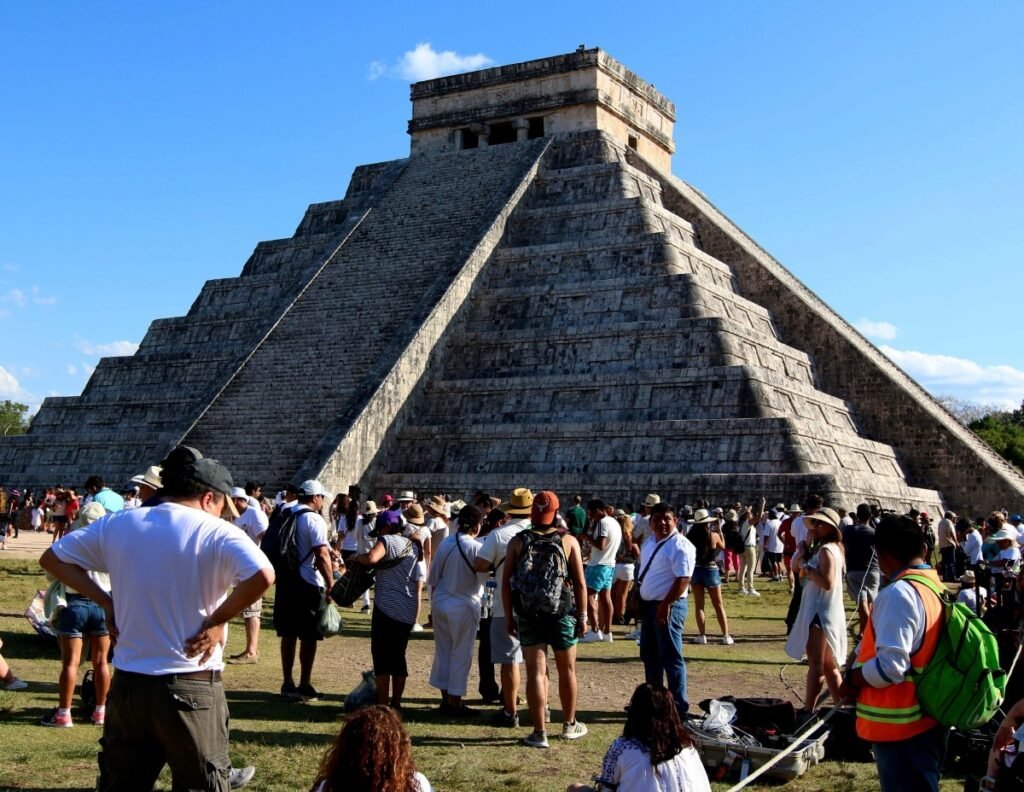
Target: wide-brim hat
[
  {"x": 151, "y": 478},
  {"x": 652, "y": 500},
  {"x": 519, "y": 504},
  {"x": 370, "y": 507},
  {"x": 702, "y": 516},
  {"x": 968, "y": 578},
  {"x": 437, "y": 504},
  {"x": 414, "y": 515},
  {"x": 796, "y": 508},
  {"x": 89, "y": 514},
  {"x": 824, "y": 515},
  {"x": 731, "y": 515},
  {"x": 457, "y": 506},
  {"x": 406, "y": 495}
]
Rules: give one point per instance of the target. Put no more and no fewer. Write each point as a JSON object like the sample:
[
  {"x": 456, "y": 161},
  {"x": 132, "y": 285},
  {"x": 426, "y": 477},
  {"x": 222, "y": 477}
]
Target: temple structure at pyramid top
[
  {"x": 530, "y": 298},
  {"x": 583, "y": 91}
]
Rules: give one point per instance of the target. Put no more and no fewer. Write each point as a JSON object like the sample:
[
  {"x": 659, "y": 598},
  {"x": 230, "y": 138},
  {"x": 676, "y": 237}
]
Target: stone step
[
  {"x": 562, "y": 307},
  {"x": 595, "y": 182},
  {"x": 627, "y": 488},
  {"x": 691, "y": 343},
  {"x": 720, "y": 392}
]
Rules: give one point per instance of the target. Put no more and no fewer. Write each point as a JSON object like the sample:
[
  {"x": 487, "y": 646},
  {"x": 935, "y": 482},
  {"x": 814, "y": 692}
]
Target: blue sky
[{"x": 873, "y": 148}]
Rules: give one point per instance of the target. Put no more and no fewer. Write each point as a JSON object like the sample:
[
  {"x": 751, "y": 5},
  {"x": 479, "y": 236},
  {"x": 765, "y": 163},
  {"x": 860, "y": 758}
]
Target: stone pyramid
[{"x": 530, "y": 299}]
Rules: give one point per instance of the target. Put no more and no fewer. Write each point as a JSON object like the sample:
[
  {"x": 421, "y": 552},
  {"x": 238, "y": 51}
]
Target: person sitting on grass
[
  {"x": 372, "y": 753},
  {"x": 654, "y": 753}
]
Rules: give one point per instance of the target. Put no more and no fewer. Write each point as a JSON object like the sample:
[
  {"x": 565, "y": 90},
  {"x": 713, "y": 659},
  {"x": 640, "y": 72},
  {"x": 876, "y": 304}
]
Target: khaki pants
[
  {"x": 156, "y": 720},
  {"x": 748, "y": 567}
]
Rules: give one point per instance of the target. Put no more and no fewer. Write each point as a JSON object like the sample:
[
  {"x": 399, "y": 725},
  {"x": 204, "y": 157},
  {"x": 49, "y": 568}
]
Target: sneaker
[
  {"x": 504, "y": 720},
  {"x": 98, "y": 717},
  {"x": 364, "y": 609},
  {"x": 289, "y": 691},
  {"x": 727, "y": 640},
  {"x": 593, "y": 637},
  {"x": 700, "y": 639},
  {"x": 753, "y": 593},
  {"x": 417, "y": 628},
  {"x": 240, "y": 776},
  {"x": 609, "y": 638},
  {"x": 633, "y": 636},
  {"x": 573, "y": 731},
  {"x": 307, "y": 693},
  {"x": 57, "y": 720},
  {"x": 14, "y": 684},
  {"x": 744, "y": 593},
  {"x": 536, "y": 740}
]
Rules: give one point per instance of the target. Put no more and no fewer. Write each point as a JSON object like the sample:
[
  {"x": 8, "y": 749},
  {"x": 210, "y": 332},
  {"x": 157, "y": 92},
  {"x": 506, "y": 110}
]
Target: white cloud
[
  {"x": 71, "y": 369},
  {"x": 29, "y": 371},
  {"x": 16, "y": 296},
  {"x": 885, "y": 331},
  {"x": 425, "y": 63},
  {"x": 1002, "y": 385},
  {"x": 41, "y": 299},
  {"x": 113, "y": 349},
  {"x": 10, "y": 388}
]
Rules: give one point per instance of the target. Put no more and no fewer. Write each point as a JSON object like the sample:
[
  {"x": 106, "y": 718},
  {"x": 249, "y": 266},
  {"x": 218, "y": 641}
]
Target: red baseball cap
[{"x": 545, "y": 507}]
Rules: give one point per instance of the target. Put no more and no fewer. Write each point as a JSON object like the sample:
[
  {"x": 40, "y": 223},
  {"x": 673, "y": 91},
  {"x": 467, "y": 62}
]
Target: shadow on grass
[
  {"x": 691, "y": 658},
  {"x": 30, "y": 646},
  {"x": 426, "y": 740},
  {"x": 259, "y": 705},
  {"x": 279, "y": 739}
]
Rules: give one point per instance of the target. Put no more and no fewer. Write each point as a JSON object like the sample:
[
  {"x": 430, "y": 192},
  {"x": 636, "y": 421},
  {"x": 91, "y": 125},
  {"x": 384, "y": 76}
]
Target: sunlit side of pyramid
[{"x": 529, "y": 299}]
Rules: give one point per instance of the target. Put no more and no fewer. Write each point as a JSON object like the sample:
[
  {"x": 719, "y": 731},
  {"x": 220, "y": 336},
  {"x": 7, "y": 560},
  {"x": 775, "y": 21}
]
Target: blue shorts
[
  {"x": 82, "y": 617},
  {"x": 706, "y": 576},
  {"x": 599, "y": 578}
]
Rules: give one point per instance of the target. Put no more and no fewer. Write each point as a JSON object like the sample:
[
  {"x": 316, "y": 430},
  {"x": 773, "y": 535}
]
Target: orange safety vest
[{"x": 893, "y": 713}]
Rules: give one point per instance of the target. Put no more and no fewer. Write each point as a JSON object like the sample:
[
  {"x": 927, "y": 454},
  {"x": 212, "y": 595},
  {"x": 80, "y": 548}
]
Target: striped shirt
[{"x": 396, "y": 587}]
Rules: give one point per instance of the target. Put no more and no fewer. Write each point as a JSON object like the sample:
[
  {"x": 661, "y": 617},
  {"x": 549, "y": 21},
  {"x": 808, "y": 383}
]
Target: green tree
[
  {"x": 1004, "y": 431},
  {"x": 13, "y": 418}
]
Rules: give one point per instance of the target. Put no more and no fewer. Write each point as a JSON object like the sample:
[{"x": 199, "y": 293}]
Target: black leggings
[{"x": 389, "y": 640}]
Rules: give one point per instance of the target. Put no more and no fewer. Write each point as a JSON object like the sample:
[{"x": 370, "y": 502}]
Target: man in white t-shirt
[
  {"x": 505, "y": 648},
  {"x": 299, "y": 598},
  {"x": 253, "y": 521},
  {"x": 605, "y": 537},
  {"x": 642, "y": 519},
  {"x": 773, "y": 546},
  {"x": 667, "y": 562},
  {"x": 166, "y": 704}
]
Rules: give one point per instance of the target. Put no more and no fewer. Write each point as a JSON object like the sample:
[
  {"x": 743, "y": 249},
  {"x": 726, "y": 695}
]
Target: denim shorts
[
  {"x": 706, "y": 576},
  {"x": 80, "y": 618},
  {"x": 599, "y": 578}
]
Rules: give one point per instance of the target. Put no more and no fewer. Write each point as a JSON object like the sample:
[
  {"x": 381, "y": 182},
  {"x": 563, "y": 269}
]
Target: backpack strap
[
  {"x": 462, "y": 552},
  {"x": 928, "y": 583},
  {"x": 643, "y": 574}
]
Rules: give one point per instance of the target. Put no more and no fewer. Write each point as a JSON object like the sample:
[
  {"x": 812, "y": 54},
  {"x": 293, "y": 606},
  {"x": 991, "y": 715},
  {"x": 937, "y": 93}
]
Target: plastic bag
[
  {"x": 720, "y": 715},
  {"x": 363, "y": 694},
  {"x": 330, "y": 620},
  {"x": 35, "y": 613}
]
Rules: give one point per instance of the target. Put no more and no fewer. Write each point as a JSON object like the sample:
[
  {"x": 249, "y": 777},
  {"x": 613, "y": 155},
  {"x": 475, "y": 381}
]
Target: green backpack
[{"x": 963, "y": 685}]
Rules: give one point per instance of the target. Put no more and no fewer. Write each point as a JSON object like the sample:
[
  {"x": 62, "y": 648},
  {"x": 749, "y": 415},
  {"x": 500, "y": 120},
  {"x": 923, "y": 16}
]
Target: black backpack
[
  {"x": 540, "y": 587},
  {"x": 280, "y": 546},
  {"x": 733, "y": 541}
]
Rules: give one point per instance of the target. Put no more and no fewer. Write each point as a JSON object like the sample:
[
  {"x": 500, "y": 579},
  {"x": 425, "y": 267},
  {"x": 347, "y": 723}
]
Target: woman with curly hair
[
  {"x": 372, "y": 753},
  {"x": 654, "y": 753}
]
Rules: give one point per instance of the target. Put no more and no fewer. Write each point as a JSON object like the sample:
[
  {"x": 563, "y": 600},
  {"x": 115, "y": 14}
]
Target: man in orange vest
[{"x": 900, "y": 639}]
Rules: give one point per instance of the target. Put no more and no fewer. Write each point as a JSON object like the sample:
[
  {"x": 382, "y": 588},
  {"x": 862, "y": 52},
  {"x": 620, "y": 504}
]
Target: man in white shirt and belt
[
  {"x": 166, "y": 703},
  {"x": 666, "y": 564}
]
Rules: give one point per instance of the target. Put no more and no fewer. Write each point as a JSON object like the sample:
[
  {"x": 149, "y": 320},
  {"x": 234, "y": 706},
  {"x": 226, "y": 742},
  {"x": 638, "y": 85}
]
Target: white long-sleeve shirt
[
  {"x": 898, "y": 619},
  {"x": 972, "y": 546}
]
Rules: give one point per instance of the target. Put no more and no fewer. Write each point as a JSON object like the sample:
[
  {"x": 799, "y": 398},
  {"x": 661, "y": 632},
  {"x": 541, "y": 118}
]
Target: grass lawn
[{"x": 285, "y": 740}]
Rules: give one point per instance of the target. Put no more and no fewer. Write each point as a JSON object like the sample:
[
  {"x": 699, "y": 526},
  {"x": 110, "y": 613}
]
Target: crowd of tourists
[{"x": 507, "y": 578}]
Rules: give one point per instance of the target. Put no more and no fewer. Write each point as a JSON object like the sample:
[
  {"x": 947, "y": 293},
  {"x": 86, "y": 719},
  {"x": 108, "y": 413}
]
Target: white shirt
[
  {"x": 970, "y": 598},
  {"x": 1011, "y": 554},
  {"x": 627, "y": 767},
  {"x": 774, "y": 543},
  {"x": 349, "y": 540},
  {"x": 798, "y": 529},
  {"x": 607, "y": 526},
  {"x": 748, "y": 533},
  {"x": 454, "y": 575},
  {"x": 253, "y": 521},
  {"x": 310, "y": 533},
  {"x": 972, "y": 546},
  {"x": 641, "y": 528},
  {"x": 675, "y": 560},
  {"x": 364, "y": 542},
  {"x": 898, "y": 620},
  {"x": 438, "y": 529},
  {"x": 493, "y": 550},
  {"x": 170, "y": 567}
]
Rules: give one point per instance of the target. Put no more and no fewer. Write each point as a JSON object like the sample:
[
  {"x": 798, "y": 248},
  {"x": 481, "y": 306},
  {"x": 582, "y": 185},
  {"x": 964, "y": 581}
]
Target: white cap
[
  {"x": 312, "y": 487},
  {"x": 238, "y": 492}
]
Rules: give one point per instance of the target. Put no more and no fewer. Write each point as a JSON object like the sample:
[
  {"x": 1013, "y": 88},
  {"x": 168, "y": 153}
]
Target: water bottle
[{"x": 487, "y": 603}]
